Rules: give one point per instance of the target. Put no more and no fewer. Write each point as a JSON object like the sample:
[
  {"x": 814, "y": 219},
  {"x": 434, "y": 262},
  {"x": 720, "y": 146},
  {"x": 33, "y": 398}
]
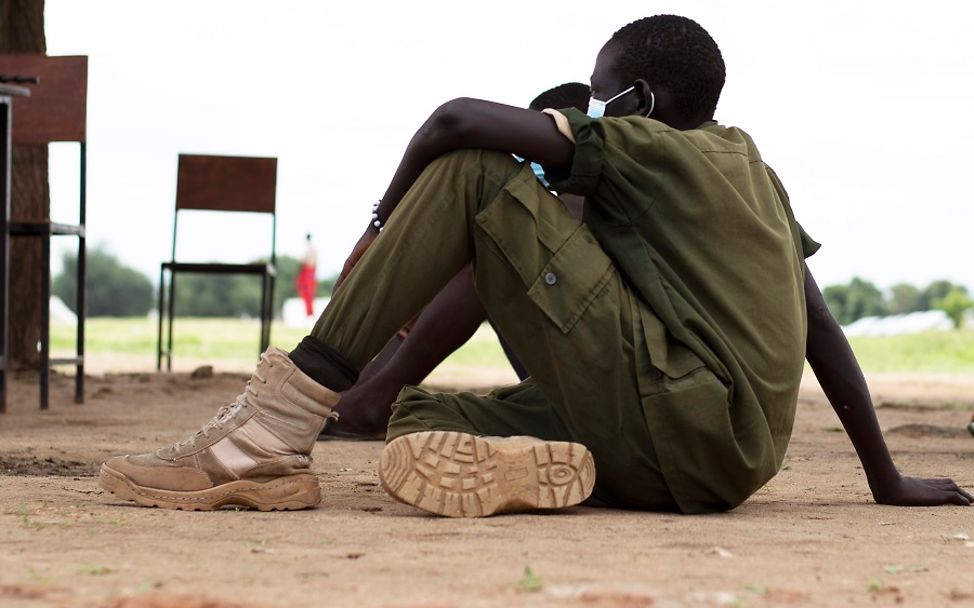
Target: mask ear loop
[{"x": 652, "y": 103}]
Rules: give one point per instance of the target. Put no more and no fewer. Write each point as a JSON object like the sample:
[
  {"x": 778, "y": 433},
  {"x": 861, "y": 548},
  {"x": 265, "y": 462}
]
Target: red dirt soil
[{"x": 812, "y": 537}]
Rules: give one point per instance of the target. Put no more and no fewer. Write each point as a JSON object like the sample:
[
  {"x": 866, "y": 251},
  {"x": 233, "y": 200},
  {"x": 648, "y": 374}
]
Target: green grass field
[
  {"x": 123, "y": 344},
  {"x": 232, "y": 343},
  {"x": 933, "y": 351}
]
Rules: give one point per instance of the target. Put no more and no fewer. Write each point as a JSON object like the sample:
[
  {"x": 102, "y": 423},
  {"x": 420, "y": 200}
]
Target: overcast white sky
[{"x": 861, "y": 107}]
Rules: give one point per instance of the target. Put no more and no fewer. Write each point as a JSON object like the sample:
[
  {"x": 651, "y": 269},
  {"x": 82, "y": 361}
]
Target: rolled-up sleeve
[{"x": 582, "y": 177}]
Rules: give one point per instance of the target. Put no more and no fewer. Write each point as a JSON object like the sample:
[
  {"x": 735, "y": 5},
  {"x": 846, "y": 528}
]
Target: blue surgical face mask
[
  {"x": 596, "y": 107},
  {"x": 539, "y": 173}
]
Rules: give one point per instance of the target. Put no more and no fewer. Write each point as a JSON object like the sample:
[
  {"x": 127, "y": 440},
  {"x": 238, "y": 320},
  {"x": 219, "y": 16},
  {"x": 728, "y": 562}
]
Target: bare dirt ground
[{"x": 812, "y": 537}]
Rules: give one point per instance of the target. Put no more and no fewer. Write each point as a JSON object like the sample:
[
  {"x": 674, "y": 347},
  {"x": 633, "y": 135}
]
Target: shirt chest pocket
[{"x": 572, "y": 279}]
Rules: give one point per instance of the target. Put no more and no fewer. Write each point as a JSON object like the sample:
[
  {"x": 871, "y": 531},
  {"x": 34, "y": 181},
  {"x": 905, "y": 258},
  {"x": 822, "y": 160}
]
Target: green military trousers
[{"x": 553, "y": 294}]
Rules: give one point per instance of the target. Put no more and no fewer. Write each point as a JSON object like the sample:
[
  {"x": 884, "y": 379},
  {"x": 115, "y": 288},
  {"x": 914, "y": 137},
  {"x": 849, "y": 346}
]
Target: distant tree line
[
  {"x": 115, "y": 290},
  {"x": 860, "y": 298}
]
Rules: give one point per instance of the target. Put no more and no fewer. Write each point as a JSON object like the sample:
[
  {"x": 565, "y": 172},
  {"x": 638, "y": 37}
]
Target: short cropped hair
[
  {"x": 675, "y": 53},
  {"x": 568, "y": 95}
]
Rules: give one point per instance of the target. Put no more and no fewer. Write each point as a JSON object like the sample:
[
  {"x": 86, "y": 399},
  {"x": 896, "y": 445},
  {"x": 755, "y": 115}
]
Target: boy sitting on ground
[{"x": 665, "y": 335}]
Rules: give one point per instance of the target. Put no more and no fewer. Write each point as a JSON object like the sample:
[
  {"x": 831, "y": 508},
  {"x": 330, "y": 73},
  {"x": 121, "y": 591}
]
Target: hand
[
  {"x": 916, "y": 492},
  {"x": 357, "y": 252}
]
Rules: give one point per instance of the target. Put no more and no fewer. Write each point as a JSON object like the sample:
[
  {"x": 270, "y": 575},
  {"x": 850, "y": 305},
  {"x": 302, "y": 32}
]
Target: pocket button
[{"x": 550, "y": 278}]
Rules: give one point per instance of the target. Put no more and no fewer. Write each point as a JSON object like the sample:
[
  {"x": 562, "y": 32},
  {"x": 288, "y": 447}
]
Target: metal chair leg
[
  {"x": 263, "y": 313},
  {"x": 80, "y": 301},
  {"x": 45, "y": 354},
  {"x": 270, "y": 309},
  {"x": 172, "y": 318},
  {"x": 162, "y": 291}
]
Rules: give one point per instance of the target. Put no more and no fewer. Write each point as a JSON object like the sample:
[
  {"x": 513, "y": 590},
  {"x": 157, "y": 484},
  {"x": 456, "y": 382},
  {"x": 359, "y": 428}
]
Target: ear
[{"x": 645, "y": 95}]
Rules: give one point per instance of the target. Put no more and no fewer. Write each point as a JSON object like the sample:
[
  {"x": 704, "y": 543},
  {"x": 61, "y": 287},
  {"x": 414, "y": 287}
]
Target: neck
[{"x": 679, "y": 121}]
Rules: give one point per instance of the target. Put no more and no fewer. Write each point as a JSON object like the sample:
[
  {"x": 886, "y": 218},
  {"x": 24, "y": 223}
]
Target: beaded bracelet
[{"x": 378, "y": 223}]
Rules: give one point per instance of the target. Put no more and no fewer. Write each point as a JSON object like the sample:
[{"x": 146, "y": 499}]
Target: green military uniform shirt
[{"x": 703, "y": 233}]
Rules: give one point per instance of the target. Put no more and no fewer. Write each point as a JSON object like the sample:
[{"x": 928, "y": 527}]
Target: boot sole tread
[{"x": 462, "y": 475}]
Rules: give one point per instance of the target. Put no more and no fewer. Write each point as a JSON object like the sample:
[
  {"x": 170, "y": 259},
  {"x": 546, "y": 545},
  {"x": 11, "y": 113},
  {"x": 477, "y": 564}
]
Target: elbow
[
  {"x": 822, "y": 331},
  {"x": 450, "y": 122},
  {"x": 816, "y": 309},
  {"x": 820, "y": 317},
  {"x": 820, "y": 323}
]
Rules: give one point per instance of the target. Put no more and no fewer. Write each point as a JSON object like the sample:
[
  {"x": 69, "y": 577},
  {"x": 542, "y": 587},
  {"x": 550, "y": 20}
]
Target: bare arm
[
  {"x": 475, "y": 123},
  {"x": 838, "y": 372},
  {"x": 469, "y": 123}
]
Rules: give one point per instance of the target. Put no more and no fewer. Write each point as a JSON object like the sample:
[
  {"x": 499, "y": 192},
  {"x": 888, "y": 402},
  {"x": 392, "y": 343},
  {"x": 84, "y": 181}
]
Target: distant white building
[
  {"x": 910, "y": 323},
  {"x": 60, "y": 313}
]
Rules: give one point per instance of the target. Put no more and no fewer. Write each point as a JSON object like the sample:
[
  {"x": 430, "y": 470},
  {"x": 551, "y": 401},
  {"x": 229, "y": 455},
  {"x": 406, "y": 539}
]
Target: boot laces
[{"x": 227, "y": 412}]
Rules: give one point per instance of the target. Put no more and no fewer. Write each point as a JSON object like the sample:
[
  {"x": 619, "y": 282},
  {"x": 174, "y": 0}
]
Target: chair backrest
[
  {"x": 57, "y": 107},
  {"x": 227, "y": 183}
]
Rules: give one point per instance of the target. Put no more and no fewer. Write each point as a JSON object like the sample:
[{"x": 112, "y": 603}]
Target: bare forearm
[
  {"x": 838, "y": 372},
  {"x": 432, "y": 140},
  {"x": 476, "y": 123}
]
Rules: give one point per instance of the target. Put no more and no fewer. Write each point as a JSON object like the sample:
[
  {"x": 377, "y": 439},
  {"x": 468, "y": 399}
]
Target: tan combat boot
[
  {"x": 462, "y": 475},
  {"x": 255, "y": 453}
]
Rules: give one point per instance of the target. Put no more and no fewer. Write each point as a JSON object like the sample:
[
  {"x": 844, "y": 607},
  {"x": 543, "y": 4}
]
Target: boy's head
[
  {"x": 568, "y": 95},
  {"x": 673, "y": 66}
]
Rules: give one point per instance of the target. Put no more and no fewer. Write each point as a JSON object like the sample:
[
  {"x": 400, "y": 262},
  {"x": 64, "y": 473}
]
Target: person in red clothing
[{"x": 305, "y": 283}]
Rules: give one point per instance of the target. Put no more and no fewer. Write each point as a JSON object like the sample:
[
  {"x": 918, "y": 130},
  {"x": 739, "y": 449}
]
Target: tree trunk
[{"x": 22, "y": 31}]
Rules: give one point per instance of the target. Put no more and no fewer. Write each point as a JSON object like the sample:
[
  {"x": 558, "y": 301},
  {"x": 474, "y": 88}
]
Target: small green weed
[
  {"x": 95, "y": 570},
  {"x": 530, "y": 582}
]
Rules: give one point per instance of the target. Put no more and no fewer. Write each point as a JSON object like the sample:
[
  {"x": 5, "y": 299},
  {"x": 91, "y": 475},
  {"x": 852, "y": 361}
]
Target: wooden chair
[
  {"x": 55, "y": 112},
  {"x": 221, "y": 183}
]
